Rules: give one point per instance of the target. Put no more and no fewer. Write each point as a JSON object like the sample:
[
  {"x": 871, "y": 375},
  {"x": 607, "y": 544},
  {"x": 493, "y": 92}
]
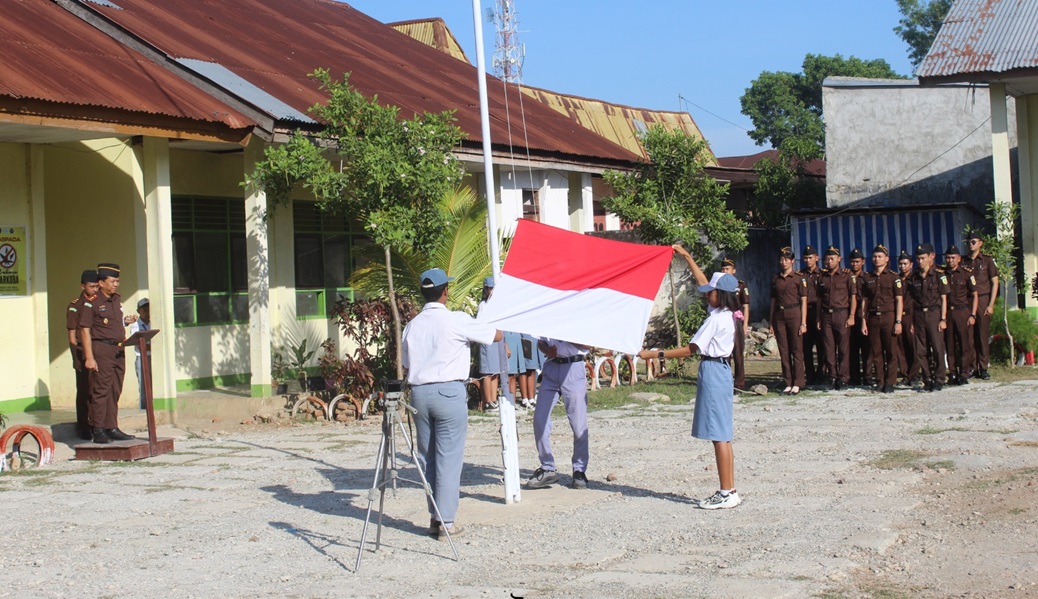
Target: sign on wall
[{"x": 14, "y": 272}]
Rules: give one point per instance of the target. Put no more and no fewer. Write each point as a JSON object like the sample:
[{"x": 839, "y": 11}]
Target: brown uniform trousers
[
  {"x": 814, "y": 364},
  {"x": 984, "y": 268},
  {"x": 907, "y": 363},
  {"x": 926, "y": 317},
  {"x": 836, "y": 291},
  {"x": 881, "y": 293},
  {"x": 958, "y": 337},
  {"x": 786, "y": 318},
  {"x": 859, "y": 343},
  {"x": 739, "y": 351},
  {"x": 82, "y": 374}
]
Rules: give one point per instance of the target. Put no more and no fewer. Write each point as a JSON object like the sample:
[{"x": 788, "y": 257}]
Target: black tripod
[{"x": 386, "y": 472}]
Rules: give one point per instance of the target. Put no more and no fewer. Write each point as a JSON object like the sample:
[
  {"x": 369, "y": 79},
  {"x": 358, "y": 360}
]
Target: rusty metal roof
[
  {"x": 275, "y": 45},
  {"x": 814, "y": 167},
  {"x": 432, "y": 32},
  {"x": 52, "y": 56},
  {"x": 990, "y": 37}
]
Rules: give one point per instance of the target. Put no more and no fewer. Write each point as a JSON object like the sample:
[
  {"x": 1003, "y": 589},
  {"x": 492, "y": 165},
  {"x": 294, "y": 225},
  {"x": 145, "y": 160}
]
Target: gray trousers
[
  {"x": 569, "y": 380},
  {"x": 441, "y": 425}
]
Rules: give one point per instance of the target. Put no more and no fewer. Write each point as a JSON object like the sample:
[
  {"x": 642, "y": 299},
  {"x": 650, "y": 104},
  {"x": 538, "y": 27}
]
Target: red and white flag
[{"x": 577, "y": 288}]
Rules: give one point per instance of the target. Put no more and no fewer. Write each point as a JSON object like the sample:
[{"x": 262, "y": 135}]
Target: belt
[
  {"x": 879, "y": 312},
  {"x": 930, "y": 308},
  {"x": 788, "y": 306},
  {"x": 723, "y": 360},
  {"x": 567, "y": 359},
  {"x": 959, "y": 307},
  {"x": 109, "y": 342},
  {"x": 832, "y": 310}
]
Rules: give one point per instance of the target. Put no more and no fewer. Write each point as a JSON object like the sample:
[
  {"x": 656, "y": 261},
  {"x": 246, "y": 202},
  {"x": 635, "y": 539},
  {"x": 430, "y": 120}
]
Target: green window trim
[
  {"x": 318, "y": 304},
  {"x": 234, "y": 304}
]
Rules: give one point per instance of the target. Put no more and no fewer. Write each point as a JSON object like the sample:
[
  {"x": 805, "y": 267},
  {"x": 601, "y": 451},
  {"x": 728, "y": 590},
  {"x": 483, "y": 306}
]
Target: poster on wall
[{"x": 14, "y": 273}]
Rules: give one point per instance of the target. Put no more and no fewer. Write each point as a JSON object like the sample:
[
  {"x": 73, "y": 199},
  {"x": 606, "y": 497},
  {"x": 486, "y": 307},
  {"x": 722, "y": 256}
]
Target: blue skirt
[
  {"x": 713, "y": 419},
  {"x": 493, "y": 358}
]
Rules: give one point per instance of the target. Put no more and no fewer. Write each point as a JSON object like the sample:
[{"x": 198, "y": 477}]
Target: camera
[{"x": 392, "y": 389}]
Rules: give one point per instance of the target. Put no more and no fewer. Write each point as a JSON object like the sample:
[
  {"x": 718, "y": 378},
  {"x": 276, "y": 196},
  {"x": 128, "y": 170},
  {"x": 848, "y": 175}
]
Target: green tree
[
  {"x": 462, "y": 251},
  {"x": 392, "y": 173},
  {"x": 784, "y": 185},
  {"x": 671, "y": 199},
  {"x": 919, "y": 24},
  {"x": 782, "y": 105}
]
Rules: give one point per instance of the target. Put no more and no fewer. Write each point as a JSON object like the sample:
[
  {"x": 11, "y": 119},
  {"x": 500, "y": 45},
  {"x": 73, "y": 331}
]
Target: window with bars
[
  {"x": 210, "y": 265},
  {"x": 324, "y": 243},
  {"x": 531, "y": 205}
]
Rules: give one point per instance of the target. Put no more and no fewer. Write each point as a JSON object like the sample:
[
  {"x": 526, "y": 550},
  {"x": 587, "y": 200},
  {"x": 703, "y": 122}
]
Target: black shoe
[
  {"x": 938, "y": 386},
  {"x": 888, "y": 388},
  {"x": 117, "y": 435},
  {"x": 99, "y": 436},
  {"x": 84, "y": 433},
  {"x": 984, "y": 375},
  {"x": 964, "y": 380},
  {"x": 579, "y": 480}
]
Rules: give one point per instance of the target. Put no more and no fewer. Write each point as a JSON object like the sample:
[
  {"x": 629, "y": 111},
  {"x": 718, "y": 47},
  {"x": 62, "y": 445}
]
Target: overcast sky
[{"x": 647, "y": 54}]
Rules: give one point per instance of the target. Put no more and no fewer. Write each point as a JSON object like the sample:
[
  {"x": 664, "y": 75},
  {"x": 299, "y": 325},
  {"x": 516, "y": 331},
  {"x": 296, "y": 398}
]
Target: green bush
[
  {"x": 692, "y": 317},
  {"x": 1024, "y": 330}
]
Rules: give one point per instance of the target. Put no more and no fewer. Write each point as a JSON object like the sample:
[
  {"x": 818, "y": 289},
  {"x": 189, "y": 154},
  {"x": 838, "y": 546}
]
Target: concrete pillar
[
  {"x": 1000, "y": 150},
  {"x": 257, "y": 243},
  {"x": 1027, "y": 134},
  {"x": 37, "y": 234},
  {"x": 157, "y": 275}
]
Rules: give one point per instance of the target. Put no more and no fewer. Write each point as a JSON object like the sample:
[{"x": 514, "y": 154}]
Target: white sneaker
[{"x": 720, "y": 502}]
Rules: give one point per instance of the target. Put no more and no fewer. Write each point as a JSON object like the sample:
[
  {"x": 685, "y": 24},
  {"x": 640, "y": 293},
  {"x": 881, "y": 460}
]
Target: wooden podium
[{"x": 134, "y": 449}]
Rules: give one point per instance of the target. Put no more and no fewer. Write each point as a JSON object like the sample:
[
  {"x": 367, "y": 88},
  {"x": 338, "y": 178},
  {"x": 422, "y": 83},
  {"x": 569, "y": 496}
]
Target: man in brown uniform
[
  {"x": 985, "y": 271},
  {"x": 741, "y": 324},
  {"x": 883, "y": 307},
  {"x": 788, "y": 318},
  {"x": 813, "y": 361},
  {"x": 962, "y": 317},
  {"x": 101, "y": 322},
  {"x": 859, "y": 344},
  {"x": 929, "y": 290},
  {"x": 907, "y": 363},
  {"x": 836, "y": 314},
  {"x": 88, "y": 290}
]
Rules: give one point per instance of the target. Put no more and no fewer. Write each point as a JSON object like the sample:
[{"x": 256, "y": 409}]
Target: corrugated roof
[
  {"x": 53, "y": 56},
  {"x": 432, "y": 32},
  {"x": 617, "y": 123},
  {"x": 275, "y": 45},
  {"x": 984, "y": 36},
  {"x": 814, "y": 167}
]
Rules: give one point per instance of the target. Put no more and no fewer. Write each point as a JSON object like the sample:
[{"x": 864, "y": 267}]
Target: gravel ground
[{"x": 845, "y": 494}]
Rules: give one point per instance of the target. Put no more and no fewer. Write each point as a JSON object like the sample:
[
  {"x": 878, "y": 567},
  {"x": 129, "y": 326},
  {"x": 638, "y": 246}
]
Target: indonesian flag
[{"x": 577, "y": 288}]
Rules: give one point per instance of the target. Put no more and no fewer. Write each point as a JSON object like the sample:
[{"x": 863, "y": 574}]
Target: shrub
[{"x": 1023, "y": 329}]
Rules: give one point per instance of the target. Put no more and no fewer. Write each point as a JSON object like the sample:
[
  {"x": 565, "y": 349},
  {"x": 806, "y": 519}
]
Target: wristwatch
[{"x": 897, "y": 322}]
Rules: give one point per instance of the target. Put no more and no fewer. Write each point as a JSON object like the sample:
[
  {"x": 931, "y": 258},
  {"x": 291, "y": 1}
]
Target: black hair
[
  {"x": 486, "y": 293},
  {"x": 728, "y": 300},
  {"x": 432, "y": 294}
]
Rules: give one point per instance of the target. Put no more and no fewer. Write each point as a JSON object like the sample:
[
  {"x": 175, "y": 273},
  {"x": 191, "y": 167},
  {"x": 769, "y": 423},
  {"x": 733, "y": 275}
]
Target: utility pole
[{"x": 508, "y": 52}]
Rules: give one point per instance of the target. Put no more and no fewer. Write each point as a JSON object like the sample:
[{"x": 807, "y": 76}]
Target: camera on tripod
[{"x": 392, "y": 390}]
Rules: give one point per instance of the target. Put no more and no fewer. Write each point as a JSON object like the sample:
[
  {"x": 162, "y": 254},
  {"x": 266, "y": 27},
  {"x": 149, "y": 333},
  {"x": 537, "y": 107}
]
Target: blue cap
[
  {"x": 722, "y": 281},
  {"x": 488, "y": 282},
  {"x": 434, "y": 277}
]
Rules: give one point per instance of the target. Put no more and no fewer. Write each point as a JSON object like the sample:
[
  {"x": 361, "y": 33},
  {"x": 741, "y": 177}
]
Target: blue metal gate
[{"x": 901, "y": 230}]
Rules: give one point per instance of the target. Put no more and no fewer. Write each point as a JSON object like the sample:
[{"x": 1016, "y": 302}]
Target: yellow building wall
[
  {"x": 90, "y": 203},
  {"x": 26, "y": 383}
]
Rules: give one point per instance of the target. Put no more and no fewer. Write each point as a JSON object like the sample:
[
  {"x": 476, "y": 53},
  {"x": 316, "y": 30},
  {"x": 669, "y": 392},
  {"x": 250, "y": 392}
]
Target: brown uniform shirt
[
  {"x": 104, "y": 317},
  {"x": 926, "y": 291},
  {"x": 881, "y": 290},
  {"x": 812, "y": 284},
  {"x": 984, "y": 268},
  {"x": 72, "y": 324},
  {"x": 788, "y": 290},
  {"x": 962, "y": 284},
  {"x": 908, "y": 302},
  {"x": 835, "y": 289},
  {"x": 743, "y": 294}
]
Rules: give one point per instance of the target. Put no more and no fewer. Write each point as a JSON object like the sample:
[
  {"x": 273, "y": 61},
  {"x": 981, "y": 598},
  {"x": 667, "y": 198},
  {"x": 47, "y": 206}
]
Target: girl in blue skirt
[{"x": 713, "y": 419}]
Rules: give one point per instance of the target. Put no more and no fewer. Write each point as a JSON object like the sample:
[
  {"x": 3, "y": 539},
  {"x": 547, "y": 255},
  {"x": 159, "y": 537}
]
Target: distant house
[
  {"x": 993, "y": 42},
  {"x": 905, "y": 165}
]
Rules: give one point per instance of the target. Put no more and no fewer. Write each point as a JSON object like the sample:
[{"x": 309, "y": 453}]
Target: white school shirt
[
  {"x": 436, "y": 344},
  {"x": 716, "y": 338},
  {"x": 564, "y": 349},
  {"x": 140, "y": 325}
]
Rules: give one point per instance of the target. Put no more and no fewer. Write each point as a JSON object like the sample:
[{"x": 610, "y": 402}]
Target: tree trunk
[
  {"x": 399, "y": 358},
  {"x": 674, "y": 306},
  {"x": 1005, "y": 322}
]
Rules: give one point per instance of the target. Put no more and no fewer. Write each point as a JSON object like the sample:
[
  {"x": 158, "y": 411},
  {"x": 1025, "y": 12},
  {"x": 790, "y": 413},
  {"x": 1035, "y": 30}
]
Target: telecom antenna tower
[{"x": 508, "y": 52}]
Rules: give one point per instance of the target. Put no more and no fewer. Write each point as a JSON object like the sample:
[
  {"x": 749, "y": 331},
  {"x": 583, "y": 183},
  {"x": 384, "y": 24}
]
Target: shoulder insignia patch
[
  {"x": 973, "y": 280},
  {"x": 944, "y": 280},
  {"x": 897, "y": 283},
  {"x": 803, "y": 282},
  {"x": 88, "y": 304},
  {"x": 71, "y": 309}
]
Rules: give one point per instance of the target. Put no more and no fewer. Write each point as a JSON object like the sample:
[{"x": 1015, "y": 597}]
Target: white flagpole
[{"x": 509, "y": 442}]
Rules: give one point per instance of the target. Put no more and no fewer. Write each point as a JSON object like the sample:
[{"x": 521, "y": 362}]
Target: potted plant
[
  {"x": 279, "y": 373},
  {"x": 300, "y": 356}
]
